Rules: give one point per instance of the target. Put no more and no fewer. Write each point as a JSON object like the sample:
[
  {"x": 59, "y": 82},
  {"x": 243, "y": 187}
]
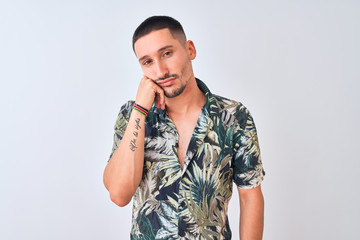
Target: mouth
[{"x": 166, "y": 82}]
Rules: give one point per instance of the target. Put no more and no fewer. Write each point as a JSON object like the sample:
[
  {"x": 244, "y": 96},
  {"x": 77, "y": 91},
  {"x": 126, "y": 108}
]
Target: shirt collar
[{"x": 211, "y": 105}]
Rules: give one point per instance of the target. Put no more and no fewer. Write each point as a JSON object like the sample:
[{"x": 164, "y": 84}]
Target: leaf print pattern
[{"x": 192, "y": 203}]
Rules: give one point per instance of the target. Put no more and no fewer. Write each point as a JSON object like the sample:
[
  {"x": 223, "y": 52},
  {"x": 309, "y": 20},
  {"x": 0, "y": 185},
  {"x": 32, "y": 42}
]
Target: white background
[{"x": 66, "y": 67}]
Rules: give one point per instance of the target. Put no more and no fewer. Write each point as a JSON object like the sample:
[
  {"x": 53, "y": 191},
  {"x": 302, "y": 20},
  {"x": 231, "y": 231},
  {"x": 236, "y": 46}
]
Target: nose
[{"x": 161, "y": 69}]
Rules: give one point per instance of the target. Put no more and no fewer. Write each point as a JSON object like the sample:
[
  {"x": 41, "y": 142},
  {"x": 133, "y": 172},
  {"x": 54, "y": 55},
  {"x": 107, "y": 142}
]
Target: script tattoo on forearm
[
  {"x": 136, "y": 134},
  {"x": 137, "y": 126}
]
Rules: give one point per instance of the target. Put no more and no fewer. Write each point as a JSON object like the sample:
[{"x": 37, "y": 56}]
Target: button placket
[{"x": 181, "y": 207}]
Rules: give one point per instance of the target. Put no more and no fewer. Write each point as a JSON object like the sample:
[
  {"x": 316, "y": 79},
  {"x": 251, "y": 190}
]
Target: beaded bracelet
[{"x": 141, "y": 109}]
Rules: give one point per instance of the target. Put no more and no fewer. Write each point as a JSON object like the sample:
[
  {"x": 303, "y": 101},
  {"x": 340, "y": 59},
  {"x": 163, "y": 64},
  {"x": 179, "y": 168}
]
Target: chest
[{"x": 185, "y": 128}]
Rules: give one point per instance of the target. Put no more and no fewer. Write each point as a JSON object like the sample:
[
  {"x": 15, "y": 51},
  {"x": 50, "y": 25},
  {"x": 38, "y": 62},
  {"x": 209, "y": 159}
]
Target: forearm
[
  {"x": 252, "y": 218},
  {"x": 123, "y": 172}
]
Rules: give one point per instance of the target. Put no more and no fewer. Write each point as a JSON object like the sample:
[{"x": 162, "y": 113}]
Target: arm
[
  {"x": 251, "y": 213},
  {"x": 123, "y": 172}
]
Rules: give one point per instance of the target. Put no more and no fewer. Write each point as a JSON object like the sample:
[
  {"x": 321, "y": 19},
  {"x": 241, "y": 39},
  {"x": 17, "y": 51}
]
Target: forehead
[{"x": 152, "y": 42}]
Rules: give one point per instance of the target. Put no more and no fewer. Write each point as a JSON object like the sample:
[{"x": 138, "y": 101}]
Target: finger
[
  {"x": 161, "y": 96},
  {"x": 157, "y": 101},
  {"x": 147, "y": 79}
]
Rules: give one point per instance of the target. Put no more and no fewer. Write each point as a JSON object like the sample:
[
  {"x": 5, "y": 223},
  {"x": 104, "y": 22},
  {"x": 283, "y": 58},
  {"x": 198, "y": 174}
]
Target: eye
[
  {"x": 147, "y": 62},
  {"x": 167, "y": 53}
]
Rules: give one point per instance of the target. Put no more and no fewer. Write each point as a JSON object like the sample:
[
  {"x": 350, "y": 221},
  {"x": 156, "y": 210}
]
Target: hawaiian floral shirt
[{"x": 192, "y": 203}]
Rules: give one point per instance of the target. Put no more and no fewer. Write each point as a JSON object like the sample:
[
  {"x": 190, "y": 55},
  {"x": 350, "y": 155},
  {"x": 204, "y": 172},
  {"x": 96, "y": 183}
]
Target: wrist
[
  {"x": 141, "y": 109},
  {"x": 145, "y": 104}
]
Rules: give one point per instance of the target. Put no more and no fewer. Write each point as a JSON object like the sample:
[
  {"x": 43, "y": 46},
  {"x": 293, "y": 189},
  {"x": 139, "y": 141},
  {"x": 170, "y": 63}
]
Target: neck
[{"x": 191, "y": 99}]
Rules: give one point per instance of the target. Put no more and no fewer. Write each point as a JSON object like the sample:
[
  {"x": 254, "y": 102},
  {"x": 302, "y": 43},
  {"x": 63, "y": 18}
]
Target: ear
[{"x": 190, "y": 47}]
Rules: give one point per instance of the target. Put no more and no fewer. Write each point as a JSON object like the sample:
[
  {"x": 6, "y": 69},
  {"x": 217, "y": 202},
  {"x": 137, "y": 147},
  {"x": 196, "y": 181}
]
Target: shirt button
[{"x": 181, "y": 233}]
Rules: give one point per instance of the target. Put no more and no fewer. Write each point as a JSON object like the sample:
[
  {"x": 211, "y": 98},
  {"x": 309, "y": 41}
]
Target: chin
[{"x": 175, "y": 92}]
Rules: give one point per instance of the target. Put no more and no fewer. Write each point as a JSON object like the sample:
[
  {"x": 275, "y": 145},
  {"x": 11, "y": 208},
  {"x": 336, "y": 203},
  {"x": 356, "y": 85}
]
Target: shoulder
[
  {"x": 124, "y": 114},
  {"x": 232, "y": 108},
  {"x": 126, "y": 108}
]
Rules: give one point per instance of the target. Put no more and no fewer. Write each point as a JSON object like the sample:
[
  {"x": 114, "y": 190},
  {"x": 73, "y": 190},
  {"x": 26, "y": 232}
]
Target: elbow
[
  {"x": 121, "y": 201},
  {"x": 119, "y": 194}
]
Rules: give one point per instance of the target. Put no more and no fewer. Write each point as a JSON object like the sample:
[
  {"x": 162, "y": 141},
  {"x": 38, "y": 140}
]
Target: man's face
[{"x": 166, "y": 60}]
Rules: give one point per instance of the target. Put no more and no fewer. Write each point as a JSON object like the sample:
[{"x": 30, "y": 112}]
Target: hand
[{"x": 148, "y": 92}]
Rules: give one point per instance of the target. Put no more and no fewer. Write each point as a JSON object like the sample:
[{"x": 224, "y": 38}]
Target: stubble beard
[
  {"x": 175, "y": 92},
  {"x": 168, "y": 92}
]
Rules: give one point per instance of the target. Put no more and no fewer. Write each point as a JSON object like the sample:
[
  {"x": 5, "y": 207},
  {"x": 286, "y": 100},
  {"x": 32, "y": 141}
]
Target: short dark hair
[{"x": 156, "y": 23}]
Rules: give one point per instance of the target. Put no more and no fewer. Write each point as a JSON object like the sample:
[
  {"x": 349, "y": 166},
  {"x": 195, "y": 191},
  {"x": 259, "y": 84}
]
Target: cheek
[
  {"x": 177, "y": 65},
  {"x": 147, "y": 72},
  {"x": 185, "y": 67}
]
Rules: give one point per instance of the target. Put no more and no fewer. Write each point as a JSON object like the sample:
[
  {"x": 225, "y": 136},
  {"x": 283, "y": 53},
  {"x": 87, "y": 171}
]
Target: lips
[{"x": 166, "y": 82}]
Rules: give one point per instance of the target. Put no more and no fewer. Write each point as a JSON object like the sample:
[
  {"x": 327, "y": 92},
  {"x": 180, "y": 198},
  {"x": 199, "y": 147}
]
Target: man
[{"x": 178, "y": 148}]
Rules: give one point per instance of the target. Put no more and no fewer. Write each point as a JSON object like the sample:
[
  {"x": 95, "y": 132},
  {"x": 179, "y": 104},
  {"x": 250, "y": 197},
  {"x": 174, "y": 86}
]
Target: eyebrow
[{"x": 161, "y": 49}]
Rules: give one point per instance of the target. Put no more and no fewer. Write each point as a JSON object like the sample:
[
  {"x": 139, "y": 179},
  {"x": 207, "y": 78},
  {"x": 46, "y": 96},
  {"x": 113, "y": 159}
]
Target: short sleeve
[
  {"x": 247, "y": 165},
  {"x": 120, "y": 124}
]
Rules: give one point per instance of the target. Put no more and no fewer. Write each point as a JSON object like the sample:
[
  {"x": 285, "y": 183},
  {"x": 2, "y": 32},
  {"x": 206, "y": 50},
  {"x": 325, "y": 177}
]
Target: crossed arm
[{"x": 251, "y": 213}]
